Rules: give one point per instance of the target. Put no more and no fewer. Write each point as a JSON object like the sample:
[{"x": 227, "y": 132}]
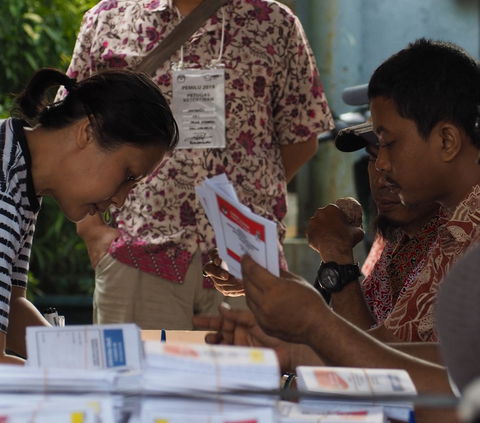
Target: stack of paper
[
  {"x": 355, "y": 382},
  {"x": 202, "y": 379},
  {"x": 102, "y": 358},
  {"x": 176, "y": 368},
  {"x": 116, "y": 390},
  {"x": 289, "y": 412},
  {"x": 180, "y": 411},
  {"x": 238, "y": 230},
  {"x": 85, "y": 347},
  {"x": 30, "y": 380},
  {"x": 50, "y": 413},
  {"x": 57, "y": 408}
]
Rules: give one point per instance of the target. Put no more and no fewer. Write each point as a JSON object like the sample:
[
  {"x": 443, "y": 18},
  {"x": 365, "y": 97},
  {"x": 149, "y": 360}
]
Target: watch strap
[{"x": 349, "y": 273}]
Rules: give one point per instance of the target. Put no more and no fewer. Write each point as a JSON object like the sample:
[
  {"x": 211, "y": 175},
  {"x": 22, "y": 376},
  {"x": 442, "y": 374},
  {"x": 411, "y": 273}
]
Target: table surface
[{"x": 191, "y": 336}]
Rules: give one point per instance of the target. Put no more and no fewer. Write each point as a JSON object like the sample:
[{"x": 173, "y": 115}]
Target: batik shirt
[
  {"x": 397, "y": 268},
  {"x": 273, "y": 97},
  {"x": 19, "y": 207},
  {"x": 413, "y": 318},
  {"x": 373, "y": 256}
]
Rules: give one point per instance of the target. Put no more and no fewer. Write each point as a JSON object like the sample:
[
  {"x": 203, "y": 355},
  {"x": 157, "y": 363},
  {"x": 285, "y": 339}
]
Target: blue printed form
[
  {"x": 114, "y": 347},
  {"x": 88, "y": 347}
]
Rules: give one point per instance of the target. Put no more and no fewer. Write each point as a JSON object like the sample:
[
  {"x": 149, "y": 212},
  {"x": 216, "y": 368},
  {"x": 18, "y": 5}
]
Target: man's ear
[
  {"x": 84, "y": 133},
  {"x": 452, "y": 140}
]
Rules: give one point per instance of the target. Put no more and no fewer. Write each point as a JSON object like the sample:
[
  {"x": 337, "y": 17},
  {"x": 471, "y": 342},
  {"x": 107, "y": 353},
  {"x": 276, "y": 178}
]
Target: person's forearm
[
  {"x": 350, "y": 301},
  {"x": 294, "y": 156},
  {"x": 11, "y": 359},
  {"x": 429, "y": 351},
  {"x": 22, "y": 314},
  {"x": 303, "y": 355},
  {"x": 4, "y": 357},
  {"x": 339, "y": 343},
  {"x": 382, "y": 334},
  {"x": 350, "y": 304}
]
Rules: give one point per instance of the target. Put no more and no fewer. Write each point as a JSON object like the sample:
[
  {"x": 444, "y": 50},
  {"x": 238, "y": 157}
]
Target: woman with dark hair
[{"x": 87, "y": 151}]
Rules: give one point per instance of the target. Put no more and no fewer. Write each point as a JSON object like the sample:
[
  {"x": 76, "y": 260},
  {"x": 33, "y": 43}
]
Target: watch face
[{"x": 329, "y": 278}]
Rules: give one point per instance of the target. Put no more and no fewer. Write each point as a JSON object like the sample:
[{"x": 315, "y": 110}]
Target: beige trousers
[{"x": 124, "y": 294}]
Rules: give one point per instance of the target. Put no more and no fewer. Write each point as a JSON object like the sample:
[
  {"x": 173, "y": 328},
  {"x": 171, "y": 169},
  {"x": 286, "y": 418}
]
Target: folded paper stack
[{"x": 347, "y": 389}]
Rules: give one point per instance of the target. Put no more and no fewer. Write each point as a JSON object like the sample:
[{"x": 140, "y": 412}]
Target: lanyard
[{"x": 214, "y": 62}]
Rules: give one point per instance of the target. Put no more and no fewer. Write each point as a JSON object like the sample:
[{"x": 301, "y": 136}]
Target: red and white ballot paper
[{"x": 238, "y": 230}]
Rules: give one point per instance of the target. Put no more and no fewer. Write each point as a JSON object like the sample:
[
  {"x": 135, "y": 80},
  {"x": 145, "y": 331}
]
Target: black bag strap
[{"x": 181, "y": 33}]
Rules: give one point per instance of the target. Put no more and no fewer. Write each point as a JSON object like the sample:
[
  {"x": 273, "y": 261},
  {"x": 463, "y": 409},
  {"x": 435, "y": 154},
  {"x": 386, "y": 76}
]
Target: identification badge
[{"x": 198, "y": 105}]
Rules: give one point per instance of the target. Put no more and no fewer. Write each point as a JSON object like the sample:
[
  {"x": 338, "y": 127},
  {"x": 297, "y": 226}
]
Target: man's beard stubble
[{"x": 390, "y": 230}]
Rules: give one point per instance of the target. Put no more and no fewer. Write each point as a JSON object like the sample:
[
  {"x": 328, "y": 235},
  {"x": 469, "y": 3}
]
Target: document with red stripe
[{"x": 238, "y": 230}]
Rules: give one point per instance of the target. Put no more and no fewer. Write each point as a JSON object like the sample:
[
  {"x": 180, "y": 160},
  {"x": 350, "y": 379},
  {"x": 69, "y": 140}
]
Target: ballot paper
[
  {"x": 79, "y": 406},
  {"x": 238, "y": 230},
  {"x": 352, "y": 382},
  {"x": 85, "y": 347},
  {"x": 51, "y": 413},
  {"x": 153, "y": 411},
  {"x": 290, "y": 412},
  {"x": 211, "y": 372},
  {"x": 34, "y": 380},
  {"x": 98, "y": 389}
]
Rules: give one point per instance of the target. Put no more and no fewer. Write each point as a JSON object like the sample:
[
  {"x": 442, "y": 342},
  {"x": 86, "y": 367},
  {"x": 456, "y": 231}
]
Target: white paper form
[
  {"x": 290, "y": 412},
  {"x": 355, "y": 381},
  {"x": 258, "y": 415},
  {"x": 60, "y": 413},
  {"x": 238, "y": 230},
  {"x": 102, "y": 406},
  {"x": 210, "y": 372},
  {"x": 85, "y": 347},
  {"x": 220, "y": 181}
]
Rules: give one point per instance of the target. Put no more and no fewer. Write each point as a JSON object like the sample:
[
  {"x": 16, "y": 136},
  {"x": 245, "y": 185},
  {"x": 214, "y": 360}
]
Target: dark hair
[
  {"x": 432, "y": 81},
  {"x": 124, "y": 107}
]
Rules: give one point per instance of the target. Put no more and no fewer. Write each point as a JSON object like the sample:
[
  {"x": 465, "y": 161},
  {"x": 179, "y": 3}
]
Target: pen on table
[
  {"x": 164, "y": 336},
  {"x": 411, "y": 417}
]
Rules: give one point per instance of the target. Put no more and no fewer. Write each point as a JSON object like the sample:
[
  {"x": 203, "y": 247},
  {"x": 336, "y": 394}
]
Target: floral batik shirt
[
  {"x": 373, "y": 256},
  {"x": 397, "y": 268},
  {"x": 273, "y": 97},
  {"x": 413, "y": 318}
]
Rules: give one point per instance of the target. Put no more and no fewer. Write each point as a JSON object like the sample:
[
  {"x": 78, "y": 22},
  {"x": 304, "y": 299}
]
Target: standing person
[
  {"x": 149, "y": 261},
  {"x": 87, "y": 152}
]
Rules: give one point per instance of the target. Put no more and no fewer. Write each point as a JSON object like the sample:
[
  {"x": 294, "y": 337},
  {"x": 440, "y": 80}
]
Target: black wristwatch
[{"x": 332, "y": 277}]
